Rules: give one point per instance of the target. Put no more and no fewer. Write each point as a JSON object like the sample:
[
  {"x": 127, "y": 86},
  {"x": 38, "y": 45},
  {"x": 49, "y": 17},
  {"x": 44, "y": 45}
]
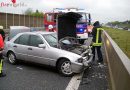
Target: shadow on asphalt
[{"x": 36, "y": 66}]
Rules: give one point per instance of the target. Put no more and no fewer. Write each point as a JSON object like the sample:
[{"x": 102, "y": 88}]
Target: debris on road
[{"x": 19, "y": 68}]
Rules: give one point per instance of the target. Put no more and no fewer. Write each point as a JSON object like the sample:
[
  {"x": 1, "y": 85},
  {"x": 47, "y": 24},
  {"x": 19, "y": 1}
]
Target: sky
[{"x": 101, "y": 10}]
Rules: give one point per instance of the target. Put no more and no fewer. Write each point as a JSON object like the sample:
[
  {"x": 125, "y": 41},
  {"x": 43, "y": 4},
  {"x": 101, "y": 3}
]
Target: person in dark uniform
[{"x": 97, "y": 41}]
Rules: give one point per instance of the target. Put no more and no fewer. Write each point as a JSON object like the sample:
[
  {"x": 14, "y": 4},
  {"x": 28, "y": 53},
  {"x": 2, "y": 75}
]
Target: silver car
[{"x": 43, "y": 48}]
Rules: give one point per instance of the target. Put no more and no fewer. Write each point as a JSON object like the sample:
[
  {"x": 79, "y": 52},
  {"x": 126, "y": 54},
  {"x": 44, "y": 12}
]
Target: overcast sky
[{"x": 102, "y": 10}]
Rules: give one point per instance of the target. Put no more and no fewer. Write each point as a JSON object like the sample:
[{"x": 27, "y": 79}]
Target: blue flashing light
[{"x": 80, "y": 30}]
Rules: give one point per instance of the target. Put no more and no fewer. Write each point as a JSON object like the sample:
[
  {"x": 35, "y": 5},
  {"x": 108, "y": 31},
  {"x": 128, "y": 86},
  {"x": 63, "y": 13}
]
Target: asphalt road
[
  {"x": 95, "y": 78},
  {"x": 25, "y": 76}
]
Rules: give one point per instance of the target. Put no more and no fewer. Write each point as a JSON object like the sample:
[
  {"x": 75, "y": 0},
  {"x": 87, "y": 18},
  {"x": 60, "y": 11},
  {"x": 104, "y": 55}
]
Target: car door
[
  {"x": 36, "y": 54},
  {"x": 20, "y": 46}
]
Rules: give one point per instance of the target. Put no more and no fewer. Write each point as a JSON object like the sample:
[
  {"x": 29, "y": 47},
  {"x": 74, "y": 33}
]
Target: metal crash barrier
[{"x": 118, "y": 63}]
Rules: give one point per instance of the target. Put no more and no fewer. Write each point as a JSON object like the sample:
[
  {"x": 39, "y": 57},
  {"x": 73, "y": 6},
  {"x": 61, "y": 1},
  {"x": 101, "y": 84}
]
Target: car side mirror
[{"x": 42, "y": 46}]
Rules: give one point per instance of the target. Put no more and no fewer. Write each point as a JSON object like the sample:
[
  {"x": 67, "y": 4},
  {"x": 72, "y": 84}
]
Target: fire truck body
[
  {"x": 50, "y": 19},
  {"x": 81, "y": 26}
]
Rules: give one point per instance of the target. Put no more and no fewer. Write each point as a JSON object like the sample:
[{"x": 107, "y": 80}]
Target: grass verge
[{"x": 121, "y": 37}]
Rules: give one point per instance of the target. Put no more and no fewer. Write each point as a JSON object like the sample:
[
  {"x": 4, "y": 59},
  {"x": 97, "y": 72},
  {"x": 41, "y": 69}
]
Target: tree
[
  {"x": 37, "y": 14},
  {"x": 29, "y": 11}
]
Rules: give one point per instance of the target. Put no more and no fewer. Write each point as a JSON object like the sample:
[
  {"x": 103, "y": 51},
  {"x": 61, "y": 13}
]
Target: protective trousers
[{"x": 99, "y": 53}]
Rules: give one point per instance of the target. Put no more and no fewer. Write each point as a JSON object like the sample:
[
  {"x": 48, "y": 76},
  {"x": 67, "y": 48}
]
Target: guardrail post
[
  {"x": 6, "y": 20},
  {"x": 13, "y": 19},
  {"x": 29, "y": 20},
  {"x": 24, "y": 19},
  {"x": 19, "y": 19}
]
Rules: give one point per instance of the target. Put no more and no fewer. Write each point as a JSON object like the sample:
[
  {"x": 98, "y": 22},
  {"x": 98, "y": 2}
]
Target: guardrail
[{"x": 118, "y": 63}]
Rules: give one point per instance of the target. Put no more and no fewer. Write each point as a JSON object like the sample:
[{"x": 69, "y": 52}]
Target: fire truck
[{"x": 83, "y": 26}]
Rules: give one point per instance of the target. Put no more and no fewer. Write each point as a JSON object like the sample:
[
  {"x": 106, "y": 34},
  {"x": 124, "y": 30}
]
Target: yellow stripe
[
  {"x": 97, "y": 44},
  {"x": 1, "y": 65},
  {"x": 97, "y": 36},
  {"x": 100, "y": 29}
]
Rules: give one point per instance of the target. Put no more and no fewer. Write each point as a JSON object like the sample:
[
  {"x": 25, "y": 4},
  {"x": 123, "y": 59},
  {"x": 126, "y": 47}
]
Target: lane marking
[{"x": 74, "y": 82}]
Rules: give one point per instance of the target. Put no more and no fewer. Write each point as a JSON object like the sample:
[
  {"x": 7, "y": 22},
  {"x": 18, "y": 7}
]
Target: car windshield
[
  {"x": 51, "y": 39},
  {"x": 69, "y": 41}
]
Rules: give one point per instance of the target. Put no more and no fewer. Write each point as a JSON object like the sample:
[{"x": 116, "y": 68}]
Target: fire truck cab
[{"x": 83, "y": 26}]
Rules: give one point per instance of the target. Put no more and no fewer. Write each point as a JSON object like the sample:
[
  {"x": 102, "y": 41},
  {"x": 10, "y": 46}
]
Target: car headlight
[{"x": 80, "y": 60}]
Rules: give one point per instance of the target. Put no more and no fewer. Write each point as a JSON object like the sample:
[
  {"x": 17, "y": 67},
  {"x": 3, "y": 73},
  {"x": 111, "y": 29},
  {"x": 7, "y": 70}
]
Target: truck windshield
[{"x": 83, "y": 19}]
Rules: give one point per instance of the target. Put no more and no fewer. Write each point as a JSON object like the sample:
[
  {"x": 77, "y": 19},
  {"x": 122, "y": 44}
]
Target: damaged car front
[
  {"x": 71, "y": 57},
  {"x": 67, "y": 40},
  {"x": 72, "y": 45}
]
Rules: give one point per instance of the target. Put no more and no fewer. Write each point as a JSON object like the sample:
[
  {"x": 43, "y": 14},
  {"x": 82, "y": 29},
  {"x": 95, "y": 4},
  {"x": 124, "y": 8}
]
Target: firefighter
[
  {"x": 97, "y": 41},
  {"x": 1, "y": 57},
  {"x": 51, "y": 29},
  {"x": 2, "y": 32}
]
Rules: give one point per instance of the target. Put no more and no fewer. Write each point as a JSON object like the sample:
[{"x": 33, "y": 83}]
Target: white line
[{"x": 74, "y": 82}]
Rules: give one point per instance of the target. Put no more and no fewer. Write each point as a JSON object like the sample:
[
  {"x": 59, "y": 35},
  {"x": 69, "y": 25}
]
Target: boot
[{"x": 2, "y": 75}]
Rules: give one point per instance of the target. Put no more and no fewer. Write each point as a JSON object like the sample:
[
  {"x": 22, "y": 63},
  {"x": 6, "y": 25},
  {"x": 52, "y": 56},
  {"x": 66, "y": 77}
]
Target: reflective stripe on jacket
[
  {"x": 98, "y": 43},
  {"x": 1, "y": 65}
]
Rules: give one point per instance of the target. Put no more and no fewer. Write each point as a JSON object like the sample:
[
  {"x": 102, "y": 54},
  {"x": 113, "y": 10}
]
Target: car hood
[
  {"x": 67, "y": 24},
  {"x": 67, "y": 33}
]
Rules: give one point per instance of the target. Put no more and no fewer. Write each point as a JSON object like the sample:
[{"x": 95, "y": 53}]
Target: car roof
[{"x": 38, "y": 32}]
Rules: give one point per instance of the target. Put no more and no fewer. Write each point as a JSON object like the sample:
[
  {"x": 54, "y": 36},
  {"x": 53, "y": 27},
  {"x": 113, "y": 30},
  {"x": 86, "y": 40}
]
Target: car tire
[
  {"x": 12, "y": 58},
  {"x": 64, "y": 67}
]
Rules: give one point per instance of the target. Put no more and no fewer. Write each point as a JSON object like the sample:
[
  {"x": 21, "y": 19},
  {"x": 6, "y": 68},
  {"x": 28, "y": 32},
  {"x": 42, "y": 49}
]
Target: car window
[
  {"x": 17, "y": 40},
  {"x": 54, "y": 35},
  {"x": 51, "y": 39},
  {"x": 35, "y": 40},
  {"x": 49, "y": 17},
  {"x": 23, "y": 39}
]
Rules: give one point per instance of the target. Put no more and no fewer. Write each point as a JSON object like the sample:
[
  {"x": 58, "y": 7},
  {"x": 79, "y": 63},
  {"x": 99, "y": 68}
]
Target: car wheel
[
  {"x": 64, "y": 67},
  {"x": 12, "y": 58}
]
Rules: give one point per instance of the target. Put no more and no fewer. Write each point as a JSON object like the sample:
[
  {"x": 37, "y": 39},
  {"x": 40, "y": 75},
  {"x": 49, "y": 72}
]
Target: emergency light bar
[{"x": 68, "y": 10}]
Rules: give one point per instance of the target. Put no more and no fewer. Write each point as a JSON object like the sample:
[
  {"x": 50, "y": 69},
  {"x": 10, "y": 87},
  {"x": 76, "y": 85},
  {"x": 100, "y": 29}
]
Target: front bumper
[
  {"x": 79, "y": 67},
  {"x": 88, "y": 62}
]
